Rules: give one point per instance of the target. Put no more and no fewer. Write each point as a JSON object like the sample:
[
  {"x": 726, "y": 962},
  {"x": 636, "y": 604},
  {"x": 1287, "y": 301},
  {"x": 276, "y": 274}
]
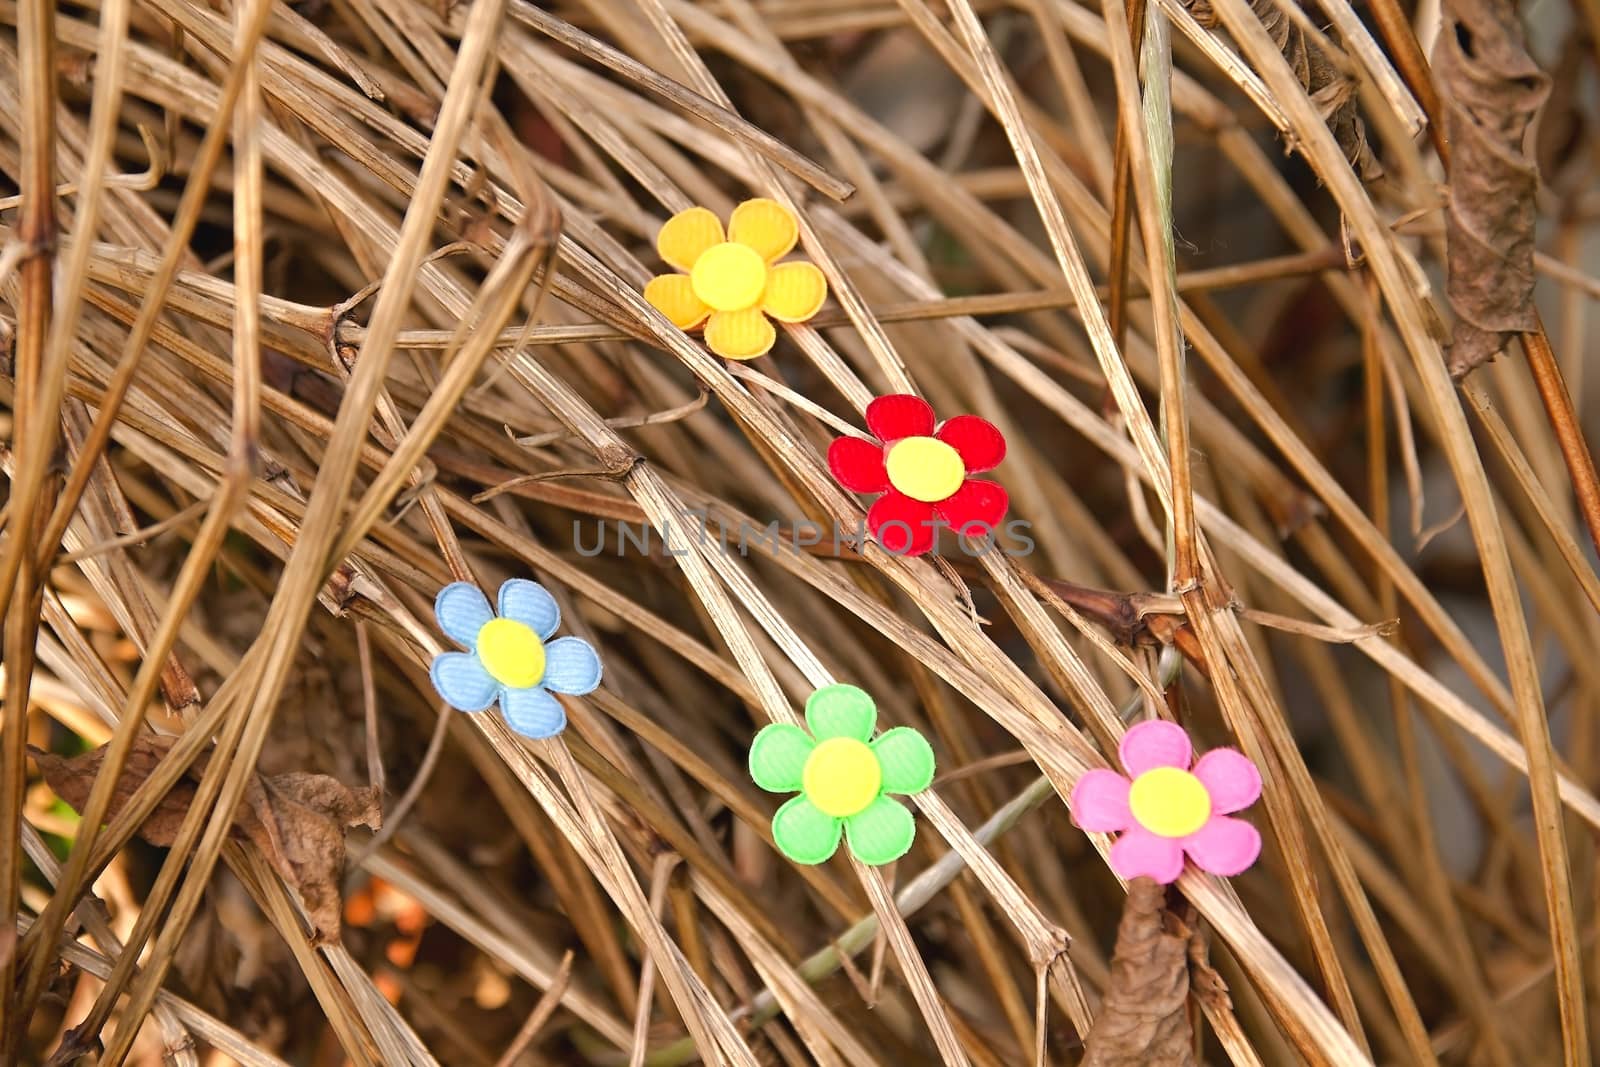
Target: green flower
[{"x": 843, "y": 778}]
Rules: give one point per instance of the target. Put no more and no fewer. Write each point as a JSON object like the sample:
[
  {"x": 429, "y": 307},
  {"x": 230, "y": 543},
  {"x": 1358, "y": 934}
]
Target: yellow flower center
[
  {"x": 729, "y": 276},
  {"x": 511, "y": 652},
  {"x": 925, "y": 468},
  {"x": 1169, "y": 802},
  {"x": 841, "y": 776}
]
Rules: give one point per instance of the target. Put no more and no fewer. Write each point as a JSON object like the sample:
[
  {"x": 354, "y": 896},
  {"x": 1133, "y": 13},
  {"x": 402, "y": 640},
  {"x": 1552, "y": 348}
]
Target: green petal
[
  {"x": 882, "y": 833},
  {"x": 803, "y": 833},
  {"x": 906, "y": 759},
  {"x": 778, "y": 756},
  {"x": 841, "y": 711}
]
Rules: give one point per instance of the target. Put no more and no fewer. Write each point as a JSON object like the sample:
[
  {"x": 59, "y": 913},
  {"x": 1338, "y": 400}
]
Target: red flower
[{"x": 923, "y": 471}]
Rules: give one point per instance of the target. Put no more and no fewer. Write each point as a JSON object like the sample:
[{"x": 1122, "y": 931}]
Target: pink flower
[{"x": 1164, "y": 809}]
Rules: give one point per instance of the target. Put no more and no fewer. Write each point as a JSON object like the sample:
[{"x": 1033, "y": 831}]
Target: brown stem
[
  {"x": 1395, "y": 29},
  {"x": 37, "y": 384},
  {"x": 1122, "y": 200},
  {"x": 1564, "y": 421}
]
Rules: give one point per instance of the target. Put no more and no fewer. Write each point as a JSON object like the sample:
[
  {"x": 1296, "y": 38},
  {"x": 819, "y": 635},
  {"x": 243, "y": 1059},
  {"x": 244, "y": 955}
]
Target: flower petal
[
  {"x": 530, "y": 604},
  {"x": 1224, "y": 846},
  {"x": 882, "y": 833},
  {"x": 778, "y": 757},
  {"x": 571, "y": 666},
  {"x": 841, "y": 710},
  {"x": 1100, "y": 802},
  {"x": 686, "y": 235},
  {"x": 462, "y": 609},
  {"x": 673, "y": 295},
  {"x": 899, "y": 415},
  {"x": 461, "y": 680},
  {"x": 858, "y": 464},
  {"x": 976, "y": 509},
  {"x": 764, "y": 225},
  {"x": 906, "y": 760},
  {"x": 979, "y": 442},
  {"x": 740, "y": 334},
  {"x": 902, "y": 525},
  {"x": 533, "y": 712},
  {"x": 1154, "y": 743},
  {"x": 1230, "y": 778},
  {"x": 804, "y": 833},
  {"x": 1140, "y": 853},
  {"x": 794, "y": 292}
]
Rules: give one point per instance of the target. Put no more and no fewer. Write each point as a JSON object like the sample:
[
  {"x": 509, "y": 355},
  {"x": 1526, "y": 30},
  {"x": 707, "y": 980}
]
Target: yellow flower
[{"x": 732, "y": 282}]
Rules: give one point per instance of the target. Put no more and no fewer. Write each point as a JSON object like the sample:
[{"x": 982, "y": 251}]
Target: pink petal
[
  {"x": 1141, "y": 853},
  {"x": 1230, "y": 778},
  {"x": 1224, "y": 846},
  {"x": 1100, "y": 802},
  {"x": 1155, "y": 743}
]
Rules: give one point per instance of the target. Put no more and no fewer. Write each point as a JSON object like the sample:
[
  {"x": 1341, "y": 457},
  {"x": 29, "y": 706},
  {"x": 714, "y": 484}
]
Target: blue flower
[{"x": 510, "y": 660}]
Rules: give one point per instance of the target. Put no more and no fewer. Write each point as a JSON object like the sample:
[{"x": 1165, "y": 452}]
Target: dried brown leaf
[
  {"x": 1332, "y": 92},
  {"x": 1144, "y": 1018},
  {"x": 1492, "y": 92},
  {"x": 72, "y": 777},
  {"x": 297, "y": 820}
]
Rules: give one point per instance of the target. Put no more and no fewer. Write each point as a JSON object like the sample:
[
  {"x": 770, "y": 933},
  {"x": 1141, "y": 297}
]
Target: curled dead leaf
[
  {"x": 1492, "y": 91},
  {"x": 1144, "y": 1017},
  {"x": 296, "y": 820},
  {"x": 1332, "y": 92},
  {"x": 299, "y": 822},
  {"x": 72, "y": 777}
]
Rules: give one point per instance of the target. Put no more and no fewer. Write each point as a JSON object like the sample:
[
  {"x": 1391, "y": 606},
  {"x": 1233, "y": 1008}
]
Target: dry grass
[{"x": 338, "y": 301}]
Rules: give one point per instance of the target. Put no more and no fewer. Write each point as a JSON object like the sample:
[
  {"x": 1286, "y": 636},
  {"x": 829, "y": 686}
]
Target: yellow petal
[
  {"x": 794, "y": 292},
  {"x": 740, "y": 334},
  {"x": 686, "y": 235},
  {"x": 673, "y": 296},
  {"x": 766, "y": 226}
]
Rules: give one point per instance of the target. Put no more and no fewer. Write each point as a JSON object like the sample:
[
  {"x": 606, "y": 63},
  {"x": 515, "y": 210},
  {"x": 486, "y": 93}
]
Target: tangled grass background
[{"x": 307, "y": 309}]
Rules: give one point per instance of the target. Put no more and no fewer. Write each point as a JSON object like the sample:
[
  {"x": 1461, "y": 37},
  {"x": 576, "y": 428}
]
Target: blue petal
[
  {"x": 571, "y": 666},
  {"x": 462, "y": 681},
  {"x": 531, "y": 604},
  {"x": 462, "y": 609},
  {"x": 533, "y": 712}
]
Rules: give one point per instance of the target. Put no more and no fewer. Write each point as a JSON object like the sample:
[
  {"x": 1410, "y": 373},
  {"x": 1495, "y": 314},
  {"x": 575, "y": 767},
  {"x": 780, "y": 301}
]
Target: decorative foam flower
[
  {"x": 1164, "y": 808},
  {"x": 512, "y": 659},
  {"x": 923, "y": 472},
  {"x": 733, "y": 282},
  {"x": 844, "y": 778}
]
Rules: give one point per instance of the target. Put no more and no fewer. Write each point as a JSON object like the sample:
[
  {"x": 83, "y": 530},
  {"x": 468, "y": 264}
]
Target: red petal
[
  {"x": 911, "y": 524},
  {"x": 981, "y": 444},
  {"x": 976, "y": 503},
  {"x": 858, "y": 464},
  {"x": 901, "y": 415}
]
